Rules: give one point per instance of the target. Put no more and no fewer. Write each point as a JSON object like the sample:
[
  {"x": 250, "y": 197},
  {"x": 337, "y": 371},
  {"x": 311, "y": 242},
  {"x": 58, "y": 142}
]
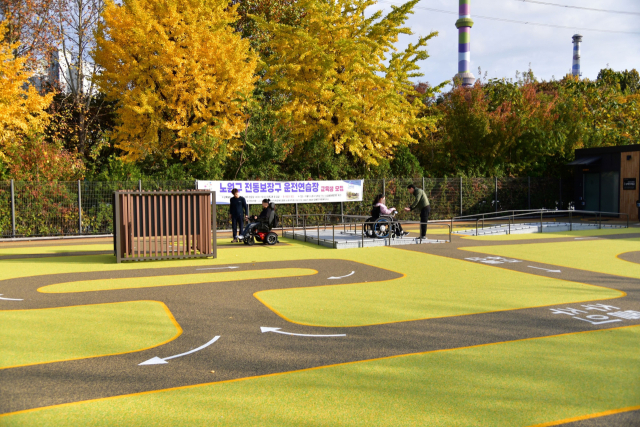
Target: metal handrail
[
  {"x": 534, "y": 211},
  {"x": 511, "y": 218},
  {"x": 496, "y": 213},
  {"x": 356, "y": 224}
]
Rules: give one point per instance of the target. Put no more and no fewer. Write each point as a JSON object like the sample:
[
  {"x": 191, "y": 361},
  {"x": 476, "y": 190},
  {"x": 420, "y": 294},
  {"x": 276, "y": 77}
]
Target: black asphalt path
[{"x": 230, "y": 310}]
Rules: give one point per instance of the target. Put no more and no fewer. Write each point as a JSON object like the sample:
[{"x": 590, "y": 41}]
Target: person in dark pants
[
  {"x": 266, "y": 211},
  {"x": 238, "y": 212},
  {"x": 421, "y": 203}
]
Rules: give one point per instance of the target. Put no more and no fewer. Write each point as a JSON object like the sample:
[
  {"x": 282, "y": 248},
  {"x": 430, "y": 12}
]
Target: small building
[{"x": 606, "y": 179}]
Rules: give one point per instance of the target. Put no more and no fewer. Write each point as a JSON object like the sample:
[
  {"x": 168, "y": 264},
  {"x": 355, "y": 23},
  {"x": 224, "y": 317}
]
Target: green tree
[{"x": 627, "y": 82}]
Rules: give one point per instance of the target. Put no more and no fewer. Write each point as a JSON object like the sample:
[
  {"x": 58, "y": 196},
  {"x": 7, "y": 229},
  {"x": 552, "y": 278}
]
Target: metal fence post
[
  {"x": 297, "y": 223},
  {"x": 570, "y": 222},
  {"x": 496, "y": 198},
  {"x": 341, "y": 212},
  {"x": 79, "y": 207},
  {"x": 423, "y": 183},
  {"x": 529, "y": 194},
  {"x": 13, "y": 210},
  {"x": 384, "y": 187},
  {"x": 333, "y": 238},
  {"x": 139, "y": 186},
  {"x": 460, "y": 196}
]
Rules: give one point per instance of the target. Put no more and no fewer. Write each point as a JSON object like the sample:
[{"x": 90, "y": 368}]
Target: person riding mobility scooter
[{"x": 260, "y": 227}]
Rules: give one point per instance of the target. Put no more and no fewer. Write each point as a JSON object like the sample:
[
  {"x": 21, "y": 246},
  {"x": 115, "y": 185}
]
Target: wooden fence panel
[{"x": 154, "y": 225}]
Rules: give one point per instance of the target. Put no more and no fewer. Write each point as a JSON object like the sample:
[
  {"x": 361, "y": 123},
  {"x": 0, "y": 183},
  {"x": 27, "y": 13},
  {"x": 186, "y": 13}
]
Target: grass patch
[
  {"x": 62, "y": 249},
  {"x": 55, "y": 334},
  {"x": 433, "y": 287},
  {"x": 592, "y": 255}
]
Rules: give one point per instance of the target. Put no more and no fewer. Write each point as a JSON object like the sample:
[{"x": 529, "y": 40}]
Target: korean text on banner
[{"x": 281, "y": 192}]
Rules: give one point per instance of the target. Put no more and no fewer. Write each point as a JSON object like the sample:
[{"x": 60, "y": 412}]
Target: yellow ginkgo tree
[
  {"x": 179, "y": 73},
  {"x": 22, "y": 109},
  {"x": 343, "y": 79}
]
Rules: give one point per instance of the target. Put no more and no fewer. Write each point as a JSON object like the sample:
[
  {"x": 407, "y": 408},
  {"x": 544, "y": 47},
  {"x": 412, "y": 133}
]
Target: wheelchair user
[
  {"x": 255, "y": 220},
  {"x": 379, "y": 204}
]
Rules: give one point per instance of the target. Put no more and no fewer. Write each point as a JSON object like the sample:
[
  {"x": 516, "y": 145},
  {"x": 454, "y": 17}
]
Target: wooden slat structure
[{"x": 152, "y": 225}]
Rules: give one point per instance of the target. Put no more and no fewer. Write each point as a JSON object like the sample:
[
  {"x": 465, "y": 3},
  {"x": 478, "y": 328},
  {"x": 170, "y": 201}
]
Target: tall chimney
[
  {"x": 575, "y": 69},
  {"x": 464, "y": 24}
]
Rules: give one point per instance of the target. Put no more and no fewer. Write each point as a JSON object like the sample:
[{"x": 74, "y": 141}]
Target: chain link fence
[{"x": 52, "y": 208}]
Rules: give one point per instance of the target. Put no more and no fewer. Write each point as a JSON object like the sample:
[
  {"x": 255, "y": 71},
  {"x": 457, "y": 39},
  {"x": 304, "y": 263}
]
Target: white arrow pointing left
[
  {"x": 11, "y": 299},
  {"x": 158, "y": 361},
  {"x": 545, "y": 269},
  {"x": 278, "y": 331}
]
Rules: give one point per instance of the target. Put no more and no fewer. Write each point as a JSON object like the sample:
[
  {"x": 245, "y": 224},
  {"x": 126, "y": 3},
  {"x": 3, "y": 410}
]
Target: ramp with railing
[{"x": 537, "y": 221}]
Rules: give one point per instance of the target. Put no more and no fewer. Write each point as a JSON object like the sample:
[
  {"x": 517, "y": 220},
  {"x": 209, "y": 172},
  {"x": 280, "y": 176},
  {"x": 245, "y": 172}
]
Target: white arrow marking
[
  {"x": 215, "y": 268},
  {"x": 12, "y": 299},
  {"x": 584, "y": 238},
  {"x": 342, "y": 277},
  {"x": 545, "y": 269},
  {"x": 278, "y": 331},
  {"x": 157, "y": 361}
]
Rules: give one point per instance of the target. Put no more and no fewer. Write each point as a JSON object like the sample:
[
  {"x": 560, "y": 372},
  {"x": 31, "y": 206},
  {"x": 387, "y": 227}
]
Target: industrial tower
[
  {"x": 575, "y": 69},
  {"x": 464, "y": 24}
]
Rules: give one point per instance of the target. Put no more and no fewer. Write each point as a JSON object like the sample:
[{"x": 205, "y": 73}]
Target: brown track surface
[
  {"x": 631, "y": 257},
  {"x": 624, "y": 419}
]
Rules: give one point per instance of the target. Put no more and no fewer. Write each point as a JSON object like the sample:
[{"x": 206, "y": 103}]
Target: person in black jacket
[
  {"x": 238, "y": 212},
  {"x": 266, "y": 211}
]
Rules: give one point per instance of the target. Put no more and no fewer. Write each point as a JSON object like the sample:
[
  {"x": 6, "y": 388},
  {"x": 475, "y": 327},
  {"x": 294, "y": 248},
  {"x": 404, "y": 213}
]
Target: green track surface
[
  {"x": 592, "y": 255},
  {"x": 178, "y": 279},
  {"x": 47, "y": 335},
  {"x": 518, "y": 383},
  {"x": 14, "y": 268},
  {"x": 53, "y": 249},
  {"x": 433, "y": 287}
]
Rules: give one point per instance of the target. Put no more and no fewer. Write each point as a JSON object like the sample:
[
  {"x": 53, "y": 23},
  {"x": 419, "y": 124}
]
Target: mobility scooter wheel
[{"x": 271, "y": 239}]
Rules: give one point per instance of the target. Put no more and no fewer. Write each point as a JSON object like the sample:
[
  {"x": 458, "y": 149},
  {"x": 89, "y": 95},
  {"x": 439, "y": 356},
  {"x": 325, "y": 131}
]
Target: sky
[{"x": 502, "y": 48}]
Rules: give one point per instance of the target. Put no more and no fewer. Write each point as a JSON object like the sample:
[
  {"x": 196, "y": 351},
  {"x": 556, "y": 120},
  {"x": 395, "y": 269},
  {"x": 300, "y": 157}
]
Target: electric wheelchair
[{"x": 262, "y": 231}]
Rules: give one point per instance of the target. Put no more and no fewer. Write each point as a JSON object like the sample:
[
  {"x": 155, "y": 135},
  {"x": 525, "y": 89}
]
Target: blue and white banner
[{"x": 281, "y": 192}]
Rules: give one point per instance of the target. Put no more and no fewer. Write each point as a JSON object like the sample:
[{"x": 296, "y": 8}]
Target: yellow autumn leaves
[
  {"x": 22, "y": 108},
  {"x": 182, "y": 77},
  {"x": 332, "y": 69},
  {"x": 179, "y": 73}
]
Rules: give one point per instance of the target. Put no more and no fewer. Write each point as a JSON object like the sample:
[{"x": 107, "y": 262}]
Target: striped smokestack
[
  {"x": 464, "y": 24},
  {"x": 575, "y": 69}
]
